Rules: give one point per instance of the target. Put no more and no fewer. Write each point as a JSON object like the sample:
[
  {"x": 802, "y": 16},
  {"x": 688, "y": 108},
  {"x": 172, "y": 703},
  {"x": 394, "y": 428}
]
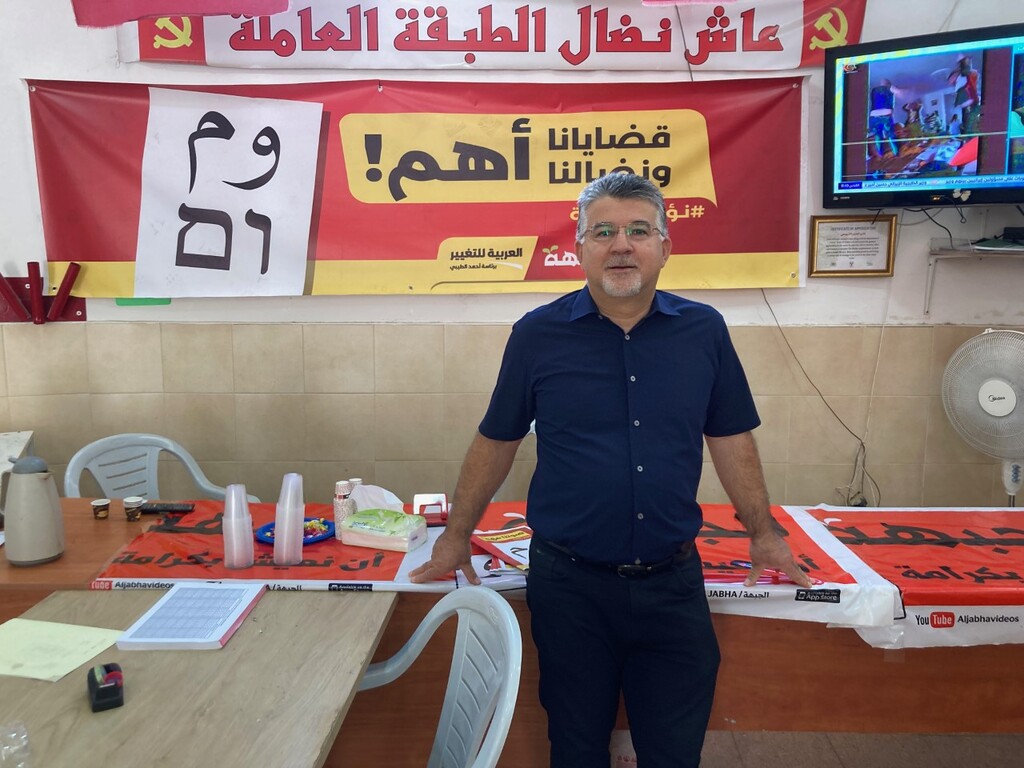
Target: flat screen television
[{"x": 931, "y": 120}]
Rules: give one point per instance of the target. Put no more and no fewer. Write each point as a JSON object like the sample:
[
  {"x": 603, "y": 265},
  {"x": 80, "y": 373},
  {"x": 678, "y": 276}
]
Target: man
[
  {"x": 625, "y": 383},
  {"x": 965, "y": 80},
  {"x": 880, "y": 119}
]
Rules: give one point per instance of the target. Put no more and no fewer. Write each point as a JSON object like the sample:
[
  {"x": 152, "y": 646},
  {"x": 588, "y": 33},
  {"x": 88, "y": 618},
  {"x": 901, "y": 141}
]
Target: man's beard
[{"x": 620, "y": 286}]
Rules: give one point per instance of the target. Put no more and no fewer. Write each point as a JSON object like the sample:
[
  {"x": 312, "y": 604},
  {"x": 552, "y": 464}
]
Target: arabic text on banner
[
  {"x": 506, "y": 34},
  {"x": 243, "y": 190}
]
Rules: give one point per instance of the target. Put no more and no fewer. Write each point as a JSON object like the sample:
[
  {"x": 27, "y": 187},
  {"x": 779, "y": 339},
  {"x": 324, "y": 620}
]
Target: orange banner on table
[
  {"x": 937, "y": 556},
  {"x": 723, "y": 544},
  {"x": 192, "y": 547}
]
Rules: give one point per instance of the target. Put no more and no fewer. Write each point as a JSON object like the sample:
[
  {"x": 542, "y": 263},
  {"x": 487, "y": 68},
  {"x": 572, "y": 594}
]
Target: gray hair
[{"x": 623, "y": 186}]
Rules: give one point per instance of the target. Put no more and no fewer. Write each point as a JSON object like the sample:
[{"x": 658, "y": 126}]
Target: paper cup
[
  {"x": 100, "y": 508},
  {"x": 133, "y": 507}
]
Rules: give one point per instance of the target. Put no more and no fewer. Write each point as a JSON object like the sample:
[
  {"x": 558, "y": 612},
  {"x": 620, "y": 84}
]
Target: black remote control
[{"x": 167, "y": 508}]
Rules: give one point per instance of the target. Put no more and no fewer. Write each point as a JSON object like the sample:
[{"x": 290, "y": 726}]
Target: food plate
[{"x": 265, "y": 533}]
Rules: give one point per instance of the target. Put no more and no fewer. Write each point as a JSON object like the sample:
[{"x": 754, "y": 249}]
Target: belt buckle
[{"x": 632, "y": 571}]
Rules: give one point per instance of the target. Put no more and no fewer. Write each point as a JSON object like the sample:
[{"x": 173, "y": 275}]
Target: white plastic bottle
[
  {"x": 237, "y": 525},
  {"x": 344, "y": 504},
  {"x": 289, "y": 521}
]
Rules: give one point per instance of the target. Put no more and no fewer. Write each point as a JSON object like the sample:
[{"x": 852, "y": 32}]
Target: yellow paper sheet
[{"x": 46, "y": 650}]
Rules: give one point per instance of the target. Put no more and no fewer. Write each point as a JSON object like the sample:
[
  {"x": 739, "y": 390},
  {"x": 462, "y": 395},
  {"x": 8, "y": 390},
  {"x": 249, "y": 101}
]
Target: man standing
[
  {"x": 966, "y": 82},
  {"x": 625, "y": 384},
  {"x": 880, "y": 119}
]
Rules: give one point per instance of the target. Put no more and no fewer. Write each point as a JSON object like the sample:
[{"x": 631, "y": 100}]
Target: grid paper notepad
[{"x": 192, "y": 616}]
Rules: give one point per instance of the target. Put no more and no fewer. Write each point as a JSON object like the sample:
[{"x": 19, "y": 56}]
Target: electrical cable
[
  {"x": 860, "y": 462},
  {"x": 937, "y": 223}
]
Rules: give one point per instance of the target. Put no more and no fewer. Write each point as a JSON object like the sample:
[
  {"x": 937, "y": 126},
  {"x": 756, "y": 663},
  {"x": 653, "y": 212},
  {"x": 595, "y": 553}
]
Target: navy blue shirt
[{"x": 620, "y": 419}]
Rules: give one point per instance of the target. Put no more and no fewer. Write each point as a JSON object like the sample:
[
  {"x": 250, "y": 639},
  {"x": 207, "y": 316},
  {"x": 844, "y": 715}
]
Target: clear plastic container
[
  {"x": 289, "y": 521},
  {"x": 14, "y": 746},
  {"x": 237, "y": 525}
]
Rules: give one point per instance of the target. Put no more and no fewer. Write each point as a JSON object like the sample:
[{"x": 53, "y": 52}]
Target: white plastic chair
[
  {"x": 127, "y": 465},
  {"x": 484, "y": 680}
]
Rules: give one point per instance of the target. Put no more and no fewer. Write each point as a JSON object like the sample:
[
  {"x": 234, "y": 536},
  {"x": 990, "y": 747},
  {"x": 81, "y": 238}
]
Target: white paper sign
[{"x": 227, "y": 195}]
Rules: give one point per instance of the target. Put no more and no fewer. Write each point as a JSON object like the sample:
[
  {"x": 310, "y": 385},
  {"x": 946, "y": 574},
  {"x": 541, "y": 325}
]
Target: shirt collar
[{"x": 584, "y": 305}]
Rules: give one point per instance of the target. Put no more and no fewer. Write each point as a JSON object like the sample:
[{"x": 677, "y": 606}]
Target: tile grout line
[{"x": 842, "y": 763}]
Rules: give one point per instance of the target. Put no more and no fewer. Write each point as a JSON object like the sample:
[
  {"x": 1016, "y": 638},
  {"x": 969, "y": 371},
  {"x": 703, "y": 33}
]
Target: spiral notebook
[{"x": 193, "y": 616}]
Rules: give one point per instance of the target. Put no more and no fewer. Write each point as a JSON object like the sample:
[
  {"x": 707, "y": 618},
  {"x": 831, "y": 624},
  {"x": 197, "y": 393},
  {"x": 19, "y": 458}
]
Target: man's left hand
[{"x": 770, "y": 551}]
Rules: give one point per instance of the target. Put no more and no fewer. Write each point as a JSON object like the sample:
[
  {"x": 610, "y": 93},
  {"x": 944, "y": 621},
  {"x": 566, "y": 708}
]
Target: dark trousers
[{"x": 599, "y": 635}]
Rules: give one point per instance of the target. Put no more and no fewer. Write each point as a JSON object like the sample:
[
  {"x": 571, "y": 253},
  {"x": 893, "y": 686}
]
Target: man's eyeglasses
[{"x": 636, "y": 232}]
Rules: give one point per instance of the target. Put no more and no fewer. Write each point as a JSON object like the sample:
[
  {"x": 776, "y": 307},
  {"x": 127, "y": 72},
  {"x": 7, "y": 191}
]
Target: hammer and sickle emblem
[
  {"x": 181, "y": 35},
  {"x": 834, "y": 37}
]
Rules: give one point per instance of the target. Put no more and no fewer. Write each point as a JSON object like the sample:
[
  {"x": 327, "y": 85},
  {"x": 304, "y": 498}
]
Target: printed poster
[
  {"x": 406, "y": 187},
  {"x": 569, "y": 35},
  {"x": 191, "y": 548},
  {"x": 960, "y": 572}
]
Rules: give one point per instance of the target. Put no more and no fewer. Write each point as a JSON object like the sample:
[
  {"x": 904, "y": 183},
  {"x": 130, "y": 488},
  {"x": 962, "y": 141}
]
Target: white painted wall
[{"x": 41, "y": 40}]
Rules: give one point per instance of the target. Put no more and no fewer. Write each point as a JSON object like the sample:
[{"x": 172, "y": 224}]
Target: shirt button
[
  {"x": 632, "y": 378},
  {"x": 639, "y": 515},
  {"x": 640, "y": 468},
  {"x": 627, "y": 337},
  {"x": 636, "y": 422}
]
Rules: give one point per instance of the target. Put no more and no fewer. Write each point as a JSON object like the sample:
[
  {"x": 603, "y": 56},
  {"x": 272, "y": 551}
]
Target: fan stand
[{"x": 1013, "y": 476}]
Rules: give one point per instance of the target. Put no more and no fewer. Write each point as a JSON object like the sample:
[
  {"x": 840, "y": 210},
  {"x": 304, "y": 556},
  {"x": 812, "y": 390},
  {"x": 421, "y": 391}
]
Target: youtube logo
[{"x": 942, "y": 619}]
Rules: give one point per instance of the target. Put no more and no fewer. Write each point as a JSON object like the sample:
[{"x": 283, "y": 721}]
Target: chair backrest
[
  {"x": 484, "y": 680},
  {"x": 127, "y": 465}
]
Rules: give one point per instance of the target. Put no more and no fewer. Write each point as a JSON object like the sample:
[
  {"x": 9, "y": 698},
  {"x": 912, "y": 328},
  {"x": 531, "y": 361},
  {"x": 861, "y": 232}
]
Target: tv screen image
[{"x": 926, "y": 121}]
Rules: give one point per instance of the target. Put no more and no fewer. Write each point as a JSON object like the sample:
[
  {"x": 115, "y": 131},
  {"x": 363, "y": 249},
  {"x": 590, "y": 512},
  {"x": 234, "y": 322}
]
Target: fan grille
[{"x": 992, "y": 355}]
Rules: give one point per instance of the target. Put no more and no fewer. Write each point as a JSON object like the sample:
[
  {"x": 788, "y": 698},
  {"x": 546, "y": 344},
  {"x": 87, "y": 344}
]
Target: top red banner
[
  {"x": 506, "y": 34},
  {"x": 108, "y": 13}
]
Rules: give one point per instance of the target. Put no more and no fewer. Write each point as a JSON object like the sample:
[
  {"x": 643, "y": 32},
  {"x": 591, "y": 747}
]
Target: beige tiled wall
[{"x": 397, "y": 404}]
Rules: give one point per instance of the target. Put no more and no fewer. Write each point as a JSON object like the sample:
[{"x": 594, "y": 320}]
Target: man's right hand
[{"x": 451, "y": 552}]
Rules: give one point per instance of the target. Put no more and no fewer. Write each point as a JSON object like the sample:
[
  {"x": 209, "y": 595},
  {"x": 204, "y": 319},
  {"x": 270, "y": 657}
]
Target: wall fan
[{"x": 983, "y": 394}]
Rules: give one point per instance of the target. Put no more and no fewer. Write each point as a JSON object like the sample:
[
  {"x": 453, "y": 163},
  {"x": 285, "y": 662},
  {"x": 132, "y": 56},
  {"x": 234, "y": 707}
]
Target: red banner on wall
[
  {"x": 401, "y": 187},
  {"x": 107, "y": 13},
  {"x": 507, "y": 34}
]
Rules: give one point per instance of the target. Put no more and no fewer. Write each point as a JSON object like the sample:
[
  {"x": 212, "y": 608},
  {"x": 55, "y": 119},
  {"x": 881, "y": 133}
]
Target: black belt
[{"x": 630, "y": 570}]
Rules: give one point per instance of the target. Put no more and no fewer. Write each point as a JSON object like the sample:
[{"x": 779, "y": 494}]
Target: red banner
[
  {"x": 938, "y": 557},
  {"x": 506, "y": 34},
  {"x": 192, "y": 547},
  {"x": 107, "y": 13},
  {"x": 399, "y": 187}
]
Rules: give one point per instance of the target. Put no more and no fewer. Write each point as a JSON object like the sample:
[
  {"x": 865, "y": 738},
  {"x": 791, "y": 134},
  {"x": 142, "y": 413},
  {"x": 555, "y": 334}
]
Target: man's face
[{"x": 622, "y": 267}]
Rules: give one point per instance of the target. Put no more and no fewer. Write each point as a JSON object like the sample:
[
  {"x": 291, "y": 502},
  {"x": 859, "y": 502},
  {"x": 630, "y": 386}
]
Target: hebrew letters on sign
[{"x": 227, "y": 195}]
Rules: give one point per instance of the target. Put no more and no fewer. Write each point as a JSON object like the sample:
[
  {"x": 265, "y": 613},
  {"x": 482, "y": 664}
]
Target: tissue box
[{"x": 384, "y": 529}]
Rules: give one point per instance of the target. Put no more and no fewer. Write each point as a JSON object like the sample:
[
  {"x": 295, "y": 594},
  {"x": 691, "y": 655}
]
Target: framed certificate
[{"x": 852, "y": 246}]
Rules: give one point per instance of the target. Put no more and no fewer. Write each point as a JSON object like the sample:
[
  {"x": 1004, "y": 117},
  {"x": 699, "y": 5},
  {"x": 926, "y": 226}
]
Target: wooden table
[
  {"x": 275, "y": 695},
  {"x": 88, "y": 546},
  {"x": 775, "y": 674}
]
